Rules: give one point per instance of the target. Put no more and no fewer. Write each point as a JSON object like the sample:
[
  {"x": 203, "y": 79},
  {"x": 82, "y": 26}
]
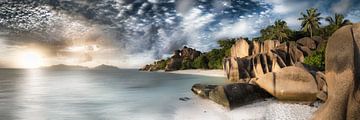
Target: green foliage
[
  {"x": 201, "y": 62},
  {"x": 296, "y": 35},
  {"x": 226, "y": 44},
  {"x": 317, "y": 59},
  {"x": 215, "y": 58},
  {"x": 162, "y": 63},
  {"x": 310, "y": 21},
  {"x": 334, "y": 24},
  {"x": 186, "y": 64},
  {"x": 279, "y": 31}
]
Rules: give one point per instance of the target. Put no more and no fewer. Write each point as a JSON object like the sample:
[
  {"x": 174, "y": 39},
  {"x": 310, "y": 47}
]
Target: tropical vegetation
[{"x": 310, "y": 26}]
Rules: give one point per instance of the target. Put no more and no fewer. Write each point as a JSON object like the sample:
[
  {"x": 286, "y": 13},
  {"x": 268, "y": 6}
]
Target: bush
[
  {"x": 186, "y": 64},
  {"x": 215, "y": 58},
  {"x": 201, "y": 62},
  {"x": 317, "y": 59}
]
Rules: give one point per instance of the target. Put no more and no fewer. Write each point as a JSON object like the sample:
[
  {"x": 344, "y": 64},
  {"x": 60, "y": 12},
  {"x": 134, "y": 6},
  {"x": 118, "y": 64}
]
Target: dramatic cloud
[{"x": 134, "y": 32}]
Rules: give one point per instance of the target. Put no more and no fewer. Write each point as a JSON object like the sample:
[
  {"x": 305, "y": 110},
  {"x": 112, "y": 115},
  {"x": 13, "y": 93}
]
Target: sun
[{"x": 30, "y": 59}]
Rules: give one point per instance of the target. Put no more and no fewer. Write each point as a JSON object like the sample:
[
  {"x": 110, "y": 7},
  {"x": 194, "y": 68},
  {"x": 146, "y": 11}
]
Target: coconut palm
[
  {"x": 267, "y": 33},
  {"x": 310, "y": 21},
  {"x": 280, "y": 30},
  {"x": 338, "y": 20}
]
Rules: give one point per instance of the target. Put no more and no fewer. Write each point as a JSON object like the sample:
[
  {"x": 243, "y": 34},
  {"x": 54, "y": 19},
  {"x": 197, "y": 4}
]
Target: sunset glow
[{"x": 30, "y": 59}]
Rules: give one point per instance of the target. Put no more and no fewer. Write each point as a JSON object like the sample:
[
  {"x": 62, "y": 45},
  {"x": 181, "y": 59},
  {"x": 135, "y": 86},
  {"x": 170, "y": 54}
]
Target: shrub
[
  {"x": 317, "y": 59},
  {"x": 215, "y": 58},
  {"x": 186, "y": 64},
  {"x": 201, "y": 62}
]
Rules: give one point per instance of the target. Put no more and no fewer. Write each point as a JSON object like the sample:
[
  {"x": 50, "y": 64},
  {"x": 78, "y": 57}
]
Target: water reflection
[{"x": 92, "y": 95}]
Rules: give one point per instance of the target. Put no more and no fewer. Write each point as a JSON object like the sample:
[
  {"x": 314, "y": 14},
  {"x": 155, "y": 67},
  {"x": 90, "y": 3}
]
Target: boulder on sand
[
  {"x": 342, "y": 72},
  {"x": 237, "y": 94},
  {"x": 202, "y": 90},
  {"x": 290, "y": 84}
]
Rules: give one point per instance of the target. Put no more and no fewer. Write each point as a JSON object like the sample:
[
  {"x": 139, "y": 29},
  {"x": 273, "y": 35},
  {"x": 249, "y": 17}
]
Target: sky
[{"x": 132, "y": 33}]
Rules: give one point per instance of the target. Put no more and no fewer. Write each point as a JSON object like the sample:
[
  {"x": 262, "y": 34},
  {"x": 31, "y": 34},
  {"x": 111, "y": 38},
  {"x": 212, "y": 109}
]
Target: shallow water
[{"x": 93, "y": 95}]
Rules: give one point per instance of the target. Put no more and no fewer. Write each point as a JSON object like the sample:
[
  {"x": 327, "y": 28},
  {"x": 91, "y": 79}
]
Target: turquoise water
[{"x": 93, "y": 95}]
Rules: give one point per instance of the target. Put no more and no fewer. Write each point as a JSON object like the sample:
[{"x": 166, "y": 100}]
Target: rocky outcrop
[
  {"x": 240, "y": 48},
  {"x": 267, "y": 56},
  {"x": 290, "y": 84},
  {"x": 342, "y": 70},
  {"x": 307, "y": 42},
  {"x": 245, "y": 68},
  {"x": 181, "y": 56},
  {"x": 175, "y": 62},
  {"x": 243, "y": 48},
  {"x": 231, "y": 95},
  {"x": 157, "y": 65}
]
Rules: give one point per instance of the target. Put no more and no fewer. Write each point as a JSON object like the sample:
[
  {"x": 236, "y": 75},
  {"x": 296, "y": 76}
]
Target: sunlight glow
[{"x": 30, "y": 59}]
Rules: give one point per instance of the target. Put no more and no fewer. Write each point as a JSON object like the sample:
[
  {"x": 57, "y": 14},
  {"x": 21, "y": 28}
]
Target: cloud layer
[{"x": 135, "y": 32}]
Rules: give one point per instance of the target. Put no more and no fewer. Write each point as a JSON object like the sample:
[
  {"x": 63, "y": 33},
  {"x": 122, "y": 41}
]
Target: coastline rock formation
[
  {"x": 264, "y": 57},
  {"x": 288, "y": 79},
  {"x": 175, "y": 62},
  {"x": 255, "y": 68},
  {"x": 342, "y": 70}
]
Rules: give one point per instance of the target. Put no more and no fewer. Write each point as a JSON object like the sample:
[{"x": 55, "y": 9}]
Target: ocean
[{"x": 125, "y": 94}]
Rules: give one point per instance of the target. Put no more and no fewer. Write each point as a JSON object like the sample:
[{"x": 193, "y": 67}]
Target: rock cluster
[
  {"x": 278, "y": 72},
  {"x": 269, "y": 68},
  {"x": 264, "y": 57},
  {"x": 175, "y": 61}
]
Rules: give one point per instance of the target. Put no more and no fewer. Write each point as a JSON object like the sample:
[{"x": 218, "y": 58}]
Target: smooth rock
[
  {"x": 240, "y": 49},
  {"x": 290, "y": 84},
  {"x": 308, "y": 42},
  {"x": 237, "y": 94},
  {"x": 342, "y": 70}
]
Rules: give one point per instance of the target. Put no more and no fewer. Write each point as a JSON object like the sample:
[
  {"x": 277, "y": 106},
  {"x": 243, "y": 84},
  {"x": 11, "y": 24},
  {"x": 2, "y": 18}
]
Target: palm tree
[
  {"x": 310, "y": 21},
  {"x": 280, "y": 30},
  {"x": 338, "y": 21},
  {"x": 267, "y": 33}
]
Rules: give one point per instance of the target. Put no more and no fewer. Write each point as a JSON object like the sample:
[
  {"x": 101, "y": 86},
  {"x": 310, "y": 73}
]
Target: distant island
[
  {"x": 105, "y": 67},
  {"x": 78, "y": 67}
]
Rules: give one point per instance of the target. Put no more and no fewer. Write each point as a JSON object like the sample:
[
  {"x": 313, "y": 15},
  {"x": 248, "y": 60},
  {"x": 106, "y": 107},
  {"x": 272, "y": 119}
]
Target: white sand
[
  {"x": 212, "y": 73},
  {"x": 202, "y": 109}
]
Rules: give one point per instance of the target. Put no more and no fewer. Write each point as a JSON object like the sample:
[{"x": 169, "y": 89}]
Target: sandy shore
[
  {"x": 212, "y": 73},
  {"x": 202, "y": 109}
]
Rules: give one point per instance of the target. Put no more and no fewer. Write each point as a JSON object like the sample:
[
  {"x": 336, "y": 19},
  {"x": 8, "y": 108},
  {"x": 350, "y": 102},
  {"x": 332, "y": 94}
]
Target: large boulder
[
  {"x": 342, "y": 70},
  {"x": 308, "y": 42},
  {"x": 240, "y": 49},
  {"x": 270, "y": 44},
  {"x": 189, "y": 53},
  {"x": 175, "y": 62},
  {"x": 290, "y": 84},
  {"x": 237, "y": 94},
  {"x": 202, "y": 90}
]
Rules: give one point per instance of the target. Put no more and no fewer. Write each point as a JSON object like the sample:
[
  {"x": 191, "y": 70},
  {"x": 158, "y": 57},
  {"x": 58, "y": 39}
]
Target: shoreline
[
  {"x": 201, "y": 72},
  {"x": 202, "y": 109}
]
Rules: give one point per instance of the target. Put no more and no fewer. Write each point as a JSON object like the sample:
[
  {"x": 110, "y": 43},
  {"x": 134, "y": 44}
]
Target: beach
[
  {"x": 209, "y": 73},
  {"x": 270, "y": 109}
]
